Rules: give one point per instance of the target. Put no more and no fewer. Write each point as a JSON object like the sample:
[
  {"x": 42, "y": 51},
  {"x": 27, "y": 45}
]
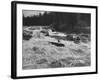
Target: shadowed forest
[{"x": 61, "y": 21}]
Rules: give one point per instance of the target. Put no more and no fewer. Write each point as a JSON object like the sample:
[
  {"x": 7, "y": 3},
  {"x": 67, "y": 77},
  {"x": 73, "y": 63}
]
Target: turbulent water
[{"x": 39, "y": 53}]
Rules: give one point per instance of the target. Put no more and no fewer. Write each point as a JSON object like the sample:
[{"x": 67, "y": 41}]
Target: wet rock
[
  {"x": 70, "y": 37},
  {"x": 55, "y": 64},
  {"x": 78, "y": 65},
  {"x": 27, "y": 35},
  {"x": 38, "y": 50},
  {"x": 65, "y": 61},
  {"x": 35, "y": 48},
  {"x": 77, "y": 40},
  {"x": 57, "y": 44},
  {"x": 41, "y": 61}
]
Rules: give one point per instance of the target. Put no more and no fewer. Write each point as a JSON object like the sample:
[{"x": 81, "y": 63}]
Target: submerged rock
[
  {"x": 55, "y": 64},
  {"x": 41, "y": 61},
  {"x": 57, "y": 44}
]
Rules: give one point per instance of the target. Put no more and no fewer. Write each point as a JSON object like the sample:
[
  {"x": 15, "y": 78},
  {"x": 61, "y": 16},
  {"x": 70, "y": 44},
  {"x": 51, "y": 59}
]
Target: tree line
[{"x": 60, "y": 21}]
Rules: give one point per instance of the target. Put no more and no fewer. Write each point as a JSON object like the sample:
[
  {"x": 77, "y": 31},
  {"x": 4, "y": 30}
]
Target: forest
[{"x": 61, "y": 21}]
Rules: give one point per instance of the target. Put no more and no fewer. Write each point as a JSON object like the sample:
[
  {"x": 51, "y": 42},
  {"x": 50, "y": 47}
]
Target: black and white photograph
[
  {"x": 53, "y": 39},
  {"x": 56, "y": 39}
]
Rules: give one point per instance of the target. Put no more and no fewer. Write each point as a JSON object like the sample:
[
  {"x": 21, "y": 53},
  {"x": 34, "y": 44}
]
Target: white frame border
[{"x": 37, "y": 72}]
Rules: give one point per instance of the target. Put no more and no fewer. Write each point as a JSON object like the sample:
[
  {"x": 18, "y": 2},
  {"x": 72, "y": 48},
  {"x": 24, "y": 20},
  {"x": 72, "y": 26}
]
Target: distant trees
[{"x": 61, "y": 21}]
